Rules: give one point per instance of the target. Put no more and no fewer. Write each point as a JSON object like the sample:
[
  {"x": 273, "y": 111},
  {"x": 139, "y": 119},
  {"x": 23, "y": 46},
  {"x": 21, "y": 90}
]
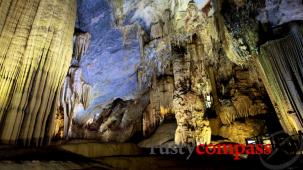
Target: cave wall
[{"x": 35, "y": 53}]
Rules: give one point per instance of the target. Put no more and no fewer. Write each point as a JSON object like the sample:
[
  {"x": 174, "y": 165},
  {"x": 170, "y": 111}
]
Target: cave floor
[{"x": 50, "y": 158}]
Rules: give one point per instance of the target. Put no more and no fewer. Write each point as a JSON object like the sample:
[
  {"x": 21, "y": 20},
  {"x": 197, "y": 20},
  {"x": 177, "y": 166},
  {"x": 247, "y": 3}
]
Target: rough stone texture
[
  {"x": 110, "y": 64},
  {"x": 240, "y": 29},
  {"x": 161, "y": 104},
  {"x": 280, "y": 12},
  {"x": 238, "y": 132},
  {"x": 75, "y": 94},
  {"x": 118, "y": 122},
  {"x": 35, "y": 52},
  {"x": 280, "y": 67},
  {"x": 163, "y": 134}
]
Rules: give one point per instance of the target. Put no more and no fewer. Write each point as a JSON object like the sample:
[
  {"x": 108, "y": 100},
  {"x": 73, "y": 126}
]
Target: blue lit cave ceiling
[{"x": 110, "y": 62}]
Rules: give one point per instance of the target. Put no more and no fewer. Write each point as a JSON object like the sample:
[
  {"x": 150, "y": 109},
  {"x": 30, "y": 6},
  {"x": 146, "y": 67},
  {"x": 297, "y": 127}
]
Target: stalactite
[
  {"x": 81, "y": 45},
  {"x": 75, "y": 93},
  {"x": 35, "y": 52},
  {"x": 227, "y": 114}
]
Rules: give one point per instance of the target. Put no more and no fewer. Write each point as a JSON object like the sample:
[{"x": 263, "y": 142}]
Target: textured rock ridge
[{"x": 280, "y": 67}]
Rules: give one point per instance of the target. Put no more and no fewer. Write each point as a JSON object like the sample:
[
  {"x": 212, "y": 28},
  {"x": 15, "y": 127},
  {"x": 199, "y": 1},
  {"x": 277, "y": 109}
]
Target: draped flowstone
[
  {"x": 281, "y": 64},
  {"x": 36, "y": 39}
]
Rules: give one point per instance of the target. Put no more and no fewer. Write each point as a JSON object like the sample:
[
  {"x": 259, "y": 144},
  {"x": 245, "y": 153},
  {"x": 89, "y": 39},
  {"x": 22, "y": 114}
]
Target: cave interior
[{"x": 92, "y": 79}]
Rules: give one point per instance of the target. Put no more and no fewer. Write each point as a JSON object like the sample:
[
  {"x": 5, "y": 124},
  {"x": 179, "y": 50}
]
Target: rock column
[{"x": 35, "y": 54}]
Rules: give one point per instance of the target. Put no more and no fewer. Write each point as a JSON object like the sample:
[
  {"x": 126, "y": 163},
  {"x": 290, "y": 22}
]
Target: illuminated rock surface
[{"x": 35, "y": 53}]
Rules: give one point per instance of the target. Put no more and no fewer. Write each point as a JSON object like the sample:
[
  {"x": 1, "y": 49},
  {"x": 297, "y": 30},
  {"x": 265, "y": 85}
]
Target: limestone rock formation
[
  {"x": 280, "y": 12},
  {"x": 238, "y": 131},
  {"x": 76, "y": 93},
  {"x": 35, "y": 53},
  {"x": 161, "y": 104},
  {"x": 82, "y": 42},
  {"x": 280, "y": 67},
  {"x": 117, "y": 122},
  {"x": 164, "y": 134}
]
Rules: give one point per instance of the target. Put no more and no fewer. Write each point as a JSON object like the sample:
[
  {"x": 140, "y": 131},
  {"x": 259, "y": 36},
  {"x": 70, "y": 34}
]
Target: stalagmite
[
  {"x": 193, "y": 86},
  {"x": 35, "y": 52}
]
